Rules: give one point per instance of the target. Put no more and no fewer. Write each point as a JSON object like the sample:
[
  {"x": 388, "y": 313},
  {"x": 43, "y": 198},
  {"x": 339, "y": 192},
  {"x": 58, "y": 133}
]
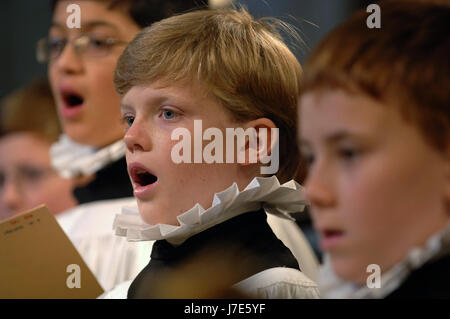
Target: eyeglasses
[{"x": 49, "y": 49}]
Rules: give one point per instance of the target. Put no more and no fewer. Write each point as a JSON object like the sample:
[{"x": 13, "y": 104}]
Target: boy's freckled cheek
[{"x": 181, "y": 180}]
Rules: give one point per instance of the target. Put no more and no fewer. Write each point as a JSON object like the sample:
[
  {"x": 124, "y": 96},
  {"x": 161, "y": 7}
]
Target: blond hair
[
  {"x": 31, "y": 109},
  {"x": 243, "y": 63}
]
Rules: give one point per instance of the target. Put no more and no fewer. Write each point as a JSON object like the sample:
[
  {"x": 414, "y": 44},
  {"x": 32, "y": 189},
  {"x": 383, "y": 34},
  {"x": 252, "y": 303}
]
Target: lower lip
[
  {"x": 142, "y": 192},
  {"x": 71, "y": 111},
  {"x": 330, "y": 242}
]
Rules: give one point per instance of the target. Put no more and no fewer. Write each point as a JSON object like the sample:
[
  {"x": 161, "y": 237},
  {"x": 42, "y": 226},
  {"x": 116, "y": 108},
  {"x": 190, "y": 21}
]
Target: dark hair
[
  {"x": 404, "y": 64},
  {"x": 145, "y": 12}
]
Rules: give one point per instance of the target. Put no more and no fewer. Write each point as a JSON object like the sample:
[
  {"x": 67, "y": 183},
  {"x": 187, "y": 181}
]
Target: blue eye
[
  {"x": 169, "y": 115},
  {"x": 128, "y": 120}
]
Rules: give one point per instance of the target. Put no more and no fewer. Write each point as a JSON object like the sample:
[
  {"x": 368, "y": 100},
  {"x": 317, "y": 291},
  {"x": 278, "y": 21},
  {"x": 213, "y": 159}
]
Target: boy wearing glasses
[{"x": 81, "y": 64}]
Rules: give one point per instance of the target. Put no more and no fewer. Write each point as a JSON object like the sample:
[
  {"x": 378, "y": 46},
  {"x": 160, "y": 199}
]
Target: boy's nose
[
  {"x": 69, "y": 61},
  {"x": 318, "y": 188},
  {"x": 137, "y": 138}
]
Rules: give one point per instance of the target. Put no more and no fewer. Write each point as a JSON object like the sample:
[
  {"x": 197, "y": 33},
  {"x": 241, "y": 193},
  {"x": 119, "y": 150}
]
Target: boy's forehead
[
  {"x": 88, "y": 25},
  {"x": 92, "y": 14},
  {"x": 182, "y": 89},
  {"x": 187, "y": 97},
  {"x": 332, "y": 114},
  {"x": 159, "y": 91}
]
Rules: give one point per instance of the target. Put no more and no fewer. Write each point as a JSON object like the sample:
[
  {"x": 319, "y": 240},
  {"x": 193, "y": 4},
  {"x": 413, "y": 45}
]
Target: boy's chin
[
  {"x": 154, "y": 216},
  {"x": 81, "y": 134},
  {"x": 349, "y": 271}
]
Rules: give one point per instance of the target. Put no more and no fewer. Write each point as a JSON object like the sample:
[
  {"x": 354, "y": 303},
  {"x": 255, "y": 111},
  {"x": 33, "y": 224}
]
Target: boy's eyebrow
[
  {"x": 153, "y": 102},
  {"x": 158, "y": 99},
  {"x": 337, "y": 136},
  {"x": 56, "y": 25},
  {"x": 126, "y": 107},
  {"x": 329, "y": 139},
  {"x": 87, "y": 26},
  {"x": 99, "y": 23}
]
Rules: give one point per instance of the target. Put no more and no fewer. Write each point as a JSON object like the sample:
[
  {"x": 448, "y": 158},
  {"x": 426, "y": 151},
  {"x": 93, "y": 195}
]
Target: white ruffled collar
[
  {"x": 331, "y": 286},
  {"x": 261, "y": 192},
  {"x": 71, "y": 159}
]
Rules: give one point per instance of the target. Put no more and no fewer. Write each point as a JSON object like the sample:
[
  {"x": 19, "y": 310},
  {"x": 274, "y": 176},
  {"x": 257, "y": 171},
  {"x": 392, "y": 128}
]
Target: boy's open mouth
[
  {"x": 72, "y": 99},
  {"x": 331, "y": 238},
  {"x": 141, "y": 177},
  {"x": 332, "y": 233}
]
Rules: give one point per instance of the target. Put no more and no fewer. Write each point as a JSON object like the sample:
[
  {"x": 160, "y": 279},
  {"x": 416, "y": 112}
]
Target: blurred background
[{"x": 23, "y": 22}]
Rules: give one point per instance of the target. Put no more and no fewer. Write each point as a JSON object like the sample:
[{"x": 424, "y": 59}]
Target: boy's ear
[{"x": 260, "y": 145}]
